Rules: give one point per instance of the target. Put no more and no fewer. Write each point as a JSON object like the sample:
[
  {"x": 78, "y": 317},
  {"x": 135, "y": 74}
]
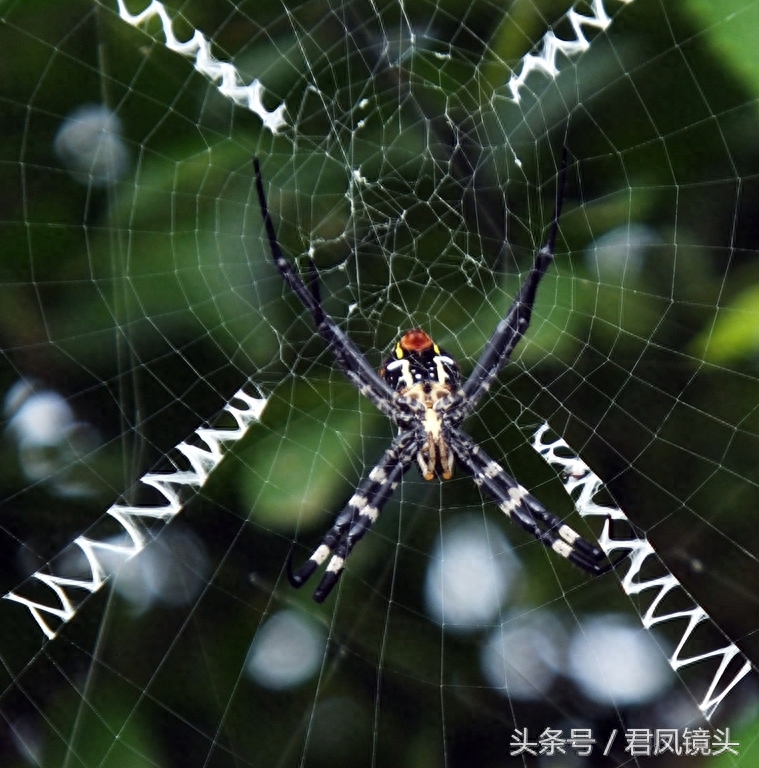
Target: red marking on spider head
[{"x": 415, "y": 340}]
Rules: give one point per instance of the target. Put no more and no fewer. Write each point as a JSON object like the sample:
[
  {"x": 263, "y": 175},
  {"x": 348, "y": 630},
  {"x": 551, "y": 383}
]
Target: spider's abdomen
[{"x": 417, "y": 360}]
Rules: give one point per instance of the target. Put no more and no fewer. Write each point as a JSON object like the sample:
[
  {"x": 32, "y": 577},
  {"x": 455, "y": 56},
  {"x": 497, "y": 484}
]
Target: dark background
[{"x": 148, "y": 302}]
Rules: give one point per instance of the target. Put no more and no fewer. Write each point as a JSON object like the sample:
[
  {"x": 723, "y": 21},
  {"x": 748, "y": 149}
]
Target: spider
[{"x": 420, "y": 390}]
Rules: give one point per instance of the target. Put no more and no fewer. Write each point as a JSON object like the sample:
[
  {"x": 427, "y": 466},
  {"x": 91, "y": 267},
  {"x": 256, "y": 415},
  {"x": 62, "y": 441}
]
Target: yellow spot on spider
[{"x": 398, "y": 350}]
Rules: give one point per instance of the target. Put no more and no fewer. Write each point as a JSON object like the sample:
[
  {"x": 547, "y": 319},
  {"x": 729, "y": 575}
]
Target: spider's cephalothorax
[
  {"x": 418, "y": 388},
  {"x": 419, "y": 370}
]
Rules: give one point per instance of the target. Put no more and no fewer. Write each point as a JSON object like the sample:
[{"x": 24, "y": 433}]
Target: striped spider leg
[
  {"x": 518, "y": 504},
  {"x": 418, "y": 388},
  {"x": 347, "y": 355},
  {"x": 360, "y": 512}
]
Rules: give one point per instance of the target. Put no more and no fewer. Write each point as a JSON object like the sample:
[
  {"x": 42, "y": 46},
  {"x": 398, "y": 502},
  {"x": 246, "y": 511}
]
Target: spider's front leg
[
  {"x": 361, "y": 511},
  {"x": 514, "y": 325},
  {"x": 347, "y": 356}
]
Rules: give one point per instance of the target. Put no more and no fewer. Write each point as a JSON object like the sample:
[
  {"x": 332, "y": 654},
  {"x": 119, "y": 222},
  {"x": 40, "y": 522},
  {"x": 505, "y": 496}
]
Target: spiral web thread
[
  {"x": 142, "y": 524},
  {"x": 583, "y": 485},
  {"x": 65, "y": 593}
]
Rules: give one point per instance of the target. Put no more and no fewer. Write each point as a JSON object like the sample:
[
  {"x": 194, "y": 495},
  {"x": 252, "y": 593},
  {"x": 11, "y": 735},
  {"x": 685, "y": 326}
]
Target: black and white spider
[{"x": 419, "y": 389}]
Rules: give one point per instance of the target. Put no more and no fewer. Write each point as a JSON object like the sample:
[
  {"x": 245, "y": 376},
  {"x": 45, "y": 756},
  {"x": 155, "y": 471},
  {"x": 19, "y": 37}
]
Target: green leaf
[
  {"x": 735, "y": 332},
  {"x": 731, "y": 27}
]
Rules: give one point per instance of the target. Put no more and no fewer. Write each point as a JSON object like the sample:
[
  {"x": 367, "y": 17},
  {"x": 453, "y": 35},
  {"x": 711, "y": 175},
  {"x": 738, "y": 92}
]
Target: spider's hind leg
[
  {"x": 298, "y": 578},
  {"x": 361, "y": 511},
  {"x": 360, "y": 524},
  {"x": 524, "y": 509}
]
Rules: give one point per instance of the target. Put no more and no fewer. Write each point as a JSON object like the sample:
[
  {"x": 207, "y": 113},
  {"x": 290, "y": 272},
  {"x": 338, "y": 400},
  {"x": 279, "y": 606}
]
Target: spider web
[{"x": 175, "y": 429}]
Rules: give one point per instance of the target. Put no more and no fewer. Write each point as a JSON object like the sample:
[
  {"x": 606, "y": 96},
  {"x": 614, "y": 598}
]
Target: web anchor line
[
  {"x": 54, "y": 594},
  {"x": 582, "y": 485},
  {"x": 550, "y": 45},
  {"x": 224, "y": 75}
]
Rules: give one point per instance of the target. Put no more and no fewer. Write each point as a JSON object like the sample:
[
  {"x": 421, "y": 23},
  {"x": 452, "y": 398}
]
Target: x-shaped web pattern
[{"x": 66, "y": 592}]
